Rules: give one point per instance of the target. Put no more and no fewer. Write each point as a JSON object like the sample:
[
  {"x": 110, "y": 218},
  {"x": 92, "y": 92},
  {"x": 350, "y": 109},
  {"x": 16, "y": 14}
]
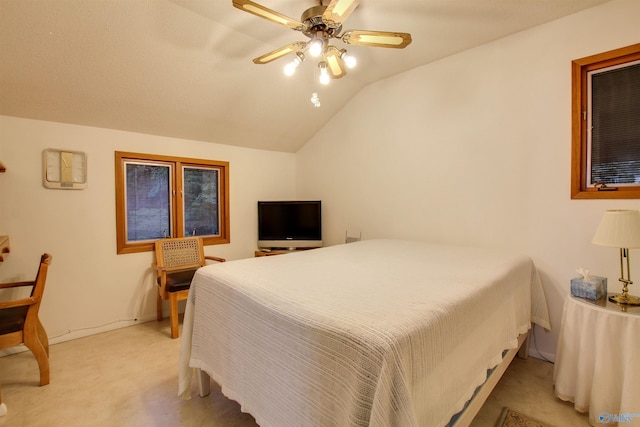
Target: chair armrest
[
  {"x": 214, "y": 258},
  {"x": 24, "y": 302},
  {"x": 16, "y": 284},
  {"x": 169, "y": 270}
]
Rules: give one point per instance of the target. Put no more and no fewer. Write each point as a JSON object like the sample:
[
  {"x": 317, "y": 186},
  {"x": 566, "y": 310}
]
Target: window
[
  {"x": 162, "y": 196},
  {"x": 605, "y": 154}
]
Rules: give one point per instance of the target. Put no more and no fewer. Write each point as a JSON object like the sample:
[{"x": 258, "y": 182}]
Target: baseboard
[
  {"x": 93, "y": 330},
  {"x": 81, "y": 333},
  {"x": 542, "y": 355}
]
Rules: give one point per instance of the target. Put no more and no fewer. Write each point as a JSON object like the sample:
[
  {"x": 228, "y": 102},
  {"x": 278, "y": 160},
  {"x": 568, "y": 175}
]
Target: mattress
[{"x": 373, "y": 333}]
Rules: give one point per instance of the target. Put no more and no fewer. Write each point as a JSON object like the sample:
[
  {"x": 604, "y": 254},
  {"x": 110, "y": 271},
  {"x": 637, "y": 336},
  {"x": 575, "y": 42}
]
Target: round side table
[{"x": 597, "y": 363}]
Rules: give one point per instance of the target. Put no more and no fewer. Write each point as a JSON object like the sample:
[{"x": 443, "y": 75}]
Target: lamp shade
[{"x": 619, "y": 229}]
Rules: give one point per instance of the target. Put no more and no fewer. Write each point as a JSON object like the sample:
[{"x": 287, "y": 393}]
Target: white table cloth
[{"x": 598, "y": 362}]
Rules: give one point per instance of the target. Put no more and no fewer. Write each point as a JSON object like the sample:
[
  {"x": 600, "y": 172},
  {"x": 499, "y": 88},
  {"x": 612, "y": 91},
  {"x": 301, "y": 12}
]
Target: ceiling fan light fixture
[
  {"x": 349, "y": 60},
  {"x": 324, "y": 78},
  {"x": 320, "y": 24},
  {"x": 291, "y": 67},
  {"x": 316, "y": 46}
]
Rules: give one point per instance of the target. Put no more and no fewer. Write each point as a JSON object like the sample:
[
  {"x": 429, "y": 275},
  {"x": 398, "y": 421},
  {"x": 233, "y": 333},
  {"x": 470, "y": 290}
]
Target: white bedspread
[{"x": 374, "y": 333}]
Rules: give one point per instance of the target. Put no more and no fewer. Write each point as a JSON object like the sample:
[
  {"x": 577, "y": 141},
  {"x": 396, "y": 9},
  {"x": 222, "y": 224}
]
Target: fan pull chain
[{"x": 315, "y": 100}]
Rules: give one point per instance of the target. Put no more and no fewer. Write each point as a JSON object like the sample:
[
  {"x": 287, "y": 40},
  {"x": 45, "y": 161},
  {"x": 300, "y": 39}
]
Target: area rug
[{"x": 511, "y": 418}]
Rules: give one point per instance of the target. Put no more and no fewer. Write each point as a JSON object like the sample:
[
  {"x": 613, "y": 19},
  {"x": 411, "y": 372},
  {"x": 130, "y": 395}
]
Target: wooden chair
[
  {"x": 177, "y": 260},
  {"x": 19, "y": 321}
]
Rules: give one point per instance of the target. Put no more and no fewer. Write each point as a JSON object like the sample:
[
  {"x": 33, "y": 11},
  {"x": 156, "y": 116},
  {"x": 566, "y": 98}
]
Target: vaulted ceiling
[{"x": 183, "y": 68}]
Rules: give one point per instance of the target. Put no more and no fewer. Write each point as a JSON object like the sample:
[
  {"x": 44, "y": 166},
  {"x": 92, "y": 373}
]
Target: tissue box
[{"x": 594, "y": 289}]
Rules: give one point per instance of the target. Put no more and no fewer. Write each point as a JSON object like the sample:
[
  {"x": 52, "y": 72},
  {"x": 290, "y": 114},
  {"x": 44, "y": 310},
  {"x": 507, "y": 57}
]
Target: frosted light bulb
[
  {"x": 324, "y": 74},
  {"x": 315, "y": 49},
  {"x": 291, "y": 67},
  {"x": 349, "y": 61}
]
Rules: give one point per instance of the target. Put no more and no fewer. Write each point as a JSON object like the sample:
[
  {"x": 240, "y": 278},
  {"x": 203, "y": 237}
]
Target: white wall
[
  {"x": 475, "y": 149},
  {"x": 89, "y": 287}
]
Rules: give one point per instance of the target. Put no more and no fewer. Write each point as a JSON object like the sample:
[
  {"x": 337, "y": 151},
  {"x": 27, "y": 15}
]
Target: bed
[{"x": 372, "y": 333}]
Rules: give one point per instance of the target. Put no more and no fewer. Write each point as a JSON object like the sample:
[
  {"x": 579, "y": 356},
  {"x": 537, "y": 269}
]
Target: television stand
[{"x": 269, "y": 252}]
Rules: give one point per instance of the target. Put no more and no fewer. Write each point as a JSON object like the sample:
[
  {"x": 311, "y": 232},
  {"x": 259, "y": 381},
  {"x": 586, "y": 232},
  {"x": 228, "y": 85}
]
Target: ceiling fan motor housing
[{"x": 312, "y": 17}]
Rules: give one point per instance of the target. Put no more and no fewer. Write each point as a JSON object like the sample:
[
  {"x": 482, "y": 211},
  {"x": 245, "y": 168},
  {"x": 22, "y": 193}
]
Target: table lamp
[{"x": 621, "y": 229}]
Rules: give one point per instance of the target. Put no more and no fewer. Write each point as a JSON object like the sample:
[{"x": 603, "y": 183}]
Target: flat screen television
[{"x": 289, "y": 224}]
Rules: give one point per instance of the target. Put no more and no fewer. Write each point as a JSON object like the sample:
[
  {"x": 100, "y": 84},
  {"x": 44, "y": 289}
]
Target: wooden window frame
[
  {"x": 579, "y": 105},
  {"x": 177, "y": 215}
]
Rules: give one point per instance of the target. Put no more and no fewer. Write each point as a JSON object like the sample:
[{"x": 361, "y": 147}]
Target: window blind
[{"x": 615, "y": 121}]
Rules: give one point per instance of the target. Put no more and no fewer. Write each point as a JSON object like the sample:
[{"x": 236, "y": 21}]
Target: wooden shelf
[
  {"x": 4, "y": 247},
  {"x": 271, "y": 252},
  {"x": 259, "y": 253}
]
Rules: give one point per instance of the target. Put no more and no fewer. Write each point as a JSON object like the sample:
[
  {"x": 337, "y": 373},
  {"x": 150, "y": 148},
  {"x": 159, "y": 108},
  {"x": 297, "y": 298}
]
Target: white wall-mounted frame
[{"x": 64, "y": 169}]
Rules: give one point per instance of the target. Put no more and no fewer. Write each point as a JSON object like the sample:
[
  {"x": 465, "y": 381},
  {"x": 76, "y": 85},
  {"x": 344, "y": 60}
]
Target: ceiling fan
[{"x": 320, "y": 24}]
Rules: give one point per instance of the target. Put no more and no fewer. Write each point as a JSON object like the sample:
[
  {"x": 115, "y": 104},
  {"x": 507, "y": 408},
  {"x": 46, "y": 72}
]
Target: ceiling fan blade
[
  {"x": 377, "y": 38},
  {"x": 335, "y": 64},
  {"x": 278, "y": 53},
  {"x": 339, "y": 10},
  {"x": 268, "y": 14}
]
